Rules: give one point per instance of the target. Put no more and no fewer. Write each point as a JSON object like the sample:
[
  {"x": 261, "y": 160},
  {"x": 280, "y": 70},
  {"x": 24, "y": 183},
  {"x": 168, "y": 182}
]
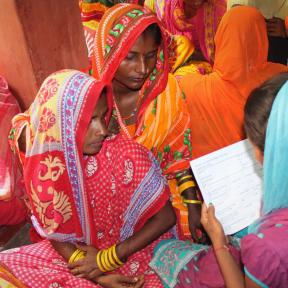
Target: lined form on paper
[{"x": 231, "y": 179}]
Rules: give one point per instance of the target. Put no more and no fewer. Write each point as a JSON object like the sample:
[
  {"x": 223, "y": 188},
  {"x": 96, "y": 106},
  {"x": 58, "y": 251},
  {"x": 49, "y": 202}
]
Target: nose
[
  {"x": 142, "y": 67},
  {"x": 103, "y": 129}
]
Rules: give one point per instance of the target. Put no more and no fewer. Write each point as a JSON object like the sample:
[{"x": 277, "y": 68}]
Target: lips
[{"x": 138, "y": 80}]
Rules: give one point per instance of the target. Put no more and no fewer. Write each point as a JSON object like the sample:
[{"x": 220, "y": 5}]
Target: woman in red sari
[{"x": 114, "y": 202}]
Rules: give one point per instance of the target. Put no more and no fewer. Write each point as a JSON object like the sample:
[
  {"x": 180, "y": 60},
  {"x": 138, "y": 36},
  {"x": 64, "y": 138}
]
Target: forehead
[
  {"x": 101, "y": 104},
  {"x": 145, "y": 44}
]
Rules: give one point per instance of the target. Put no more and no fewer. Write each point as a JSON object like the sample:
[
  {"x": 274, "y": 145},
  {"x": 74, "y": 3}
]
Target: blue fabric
[
  {"x": 171, "y": 256},
  {"x": 258, "y": 282},
  {"x": 276, "y": 158}
]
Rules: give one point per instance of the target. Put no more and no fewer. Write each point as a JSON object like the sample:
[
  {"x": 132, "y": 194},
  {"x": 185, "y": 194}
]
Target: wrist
[{"x": 122, "y": 251}]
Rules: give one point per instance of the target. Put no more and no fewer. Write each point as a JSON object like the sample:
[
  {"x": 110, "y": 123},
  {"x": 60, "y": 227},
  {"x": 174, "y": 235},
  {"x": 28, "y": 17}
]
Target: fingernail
[
  {"x": 135, "y": 279},
  {"x": 210, "y": 204}
]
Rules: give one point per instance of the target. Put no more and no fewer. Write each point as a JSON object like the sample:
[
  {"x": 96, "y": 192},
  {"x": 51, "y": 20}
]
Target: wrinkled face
[
  {"x": 191, "y": 7},
  {"x": 138, "y": 64},
  {"x": 97, "y": 129}
]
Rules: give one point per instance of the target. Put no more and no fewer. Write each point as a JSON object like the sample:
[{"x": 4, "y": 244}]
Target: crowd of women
[{"x": 105, "y": 152}]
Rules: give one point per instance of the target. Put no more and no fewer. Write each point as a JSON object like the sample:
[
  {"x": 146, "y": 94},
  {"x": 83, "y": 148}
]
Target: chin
[{"x": 91, "y": 152}]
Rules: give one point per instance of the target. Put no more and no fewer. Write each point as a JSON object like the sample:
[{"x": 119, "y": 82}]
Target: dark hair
[
  {"x": 154, "y": 31},
  {"x": 258, "y": 107}
]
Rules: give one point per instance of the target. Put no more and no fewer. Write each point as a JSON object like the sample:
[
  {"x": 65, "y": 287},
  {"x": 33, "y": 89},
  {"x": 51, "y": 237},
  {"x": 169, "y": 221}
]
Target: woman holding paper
[{"x": 264, "y": 251}]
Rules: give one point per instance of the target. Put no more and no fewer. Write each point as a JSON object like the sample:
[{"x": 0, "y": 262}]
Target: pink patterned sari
[
  {"x": 98, "y": 200},
  {"x": 200, "y": 29}
]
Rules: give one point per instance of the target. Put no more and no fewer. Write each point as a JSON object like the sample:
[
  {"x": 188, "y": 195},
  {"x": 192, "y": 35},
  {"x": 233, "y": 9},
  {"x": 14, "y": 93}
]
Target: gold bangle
[
  {"x": 74, "y": 255},
  {"x": 188, "y": 201},
  {"x": 102, "y": 259},
  {"x": 109, "y": 267},
  {"x": 185, "y": 177},
  {"x": 79, "y": 256},
  {"x": 118, "y": 261},
  {"x": 110, "y": 256},
  {"x": 98, "y": 261},
  {"x": 186, "y": 185}
]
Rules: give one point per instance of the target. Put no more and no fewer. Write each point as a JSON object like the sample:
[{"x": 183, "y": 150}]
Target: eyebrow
[{"x": 134, "y": 52}]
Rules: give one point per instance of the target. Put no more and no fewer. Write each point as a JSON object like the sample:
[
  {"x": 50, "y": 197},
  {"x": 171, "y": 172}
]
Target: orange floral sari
[{"x": 163, "y": 123}]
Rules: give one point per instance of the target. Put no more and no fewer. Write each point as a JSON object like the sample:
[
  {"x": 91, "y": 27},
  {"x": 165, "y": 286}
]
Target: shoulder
[{"x": 265, "y": 256}]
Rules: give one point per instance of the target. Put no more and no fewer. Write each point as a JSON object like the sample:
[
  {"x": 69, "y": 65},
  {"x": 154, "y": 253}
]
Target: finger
[
  {"x": 76, "y": 264},
  {"x": 129, "y": 280},
  {"x": 94, "y": 274},
  {"x": 211, "y": 212},
  {"x": 140, "y": 282},
  {"x": 204, "y": 216},
  {"x": 80, "y": 270}
]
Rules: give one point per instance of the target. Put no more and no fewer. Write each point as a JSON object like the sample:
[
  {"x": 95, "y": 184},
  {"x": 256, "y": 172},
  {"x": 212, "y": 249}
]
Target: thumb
[
  {"x": 129, "y": 280},
  {"x": 211, "y": 211}
]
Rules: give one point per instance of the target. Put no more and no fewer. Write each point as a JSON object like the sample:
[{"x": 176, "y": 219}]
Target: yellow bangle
[
  {"x": 118, "y": 261},
  {"x": 186, "y": 185},
  {"x": 74, "y": 255},
  {"x": 79, "y": 256},
  {"x": 187, "y": 201},
  {"x": 110, "y": 256},
  {"x": 102, "y": 259},
  {"x": 108, "y": 265},
  {"x": 185, "y": 177},
  {"x": 98, "y": 261}
]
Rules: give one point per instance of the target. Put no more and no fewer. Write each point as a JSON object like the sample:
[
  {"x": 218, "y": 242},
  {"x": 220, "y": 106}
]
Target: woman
[
  {"x": 12, "y": 210},
  {"x": 148, "y": 103},
  {"x": 275, "y": 13},
  {"x": 264, "y": 251},
  {"x": 197, "y": 20},
  {"x": 216, "y": 101},
  {"x": 79, "y": 194}
]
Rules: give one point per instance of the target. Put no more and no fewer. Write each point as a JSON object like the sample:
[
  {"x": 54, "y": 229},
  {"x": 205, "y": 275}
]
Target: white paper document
[{"x": 231, "y": 179}]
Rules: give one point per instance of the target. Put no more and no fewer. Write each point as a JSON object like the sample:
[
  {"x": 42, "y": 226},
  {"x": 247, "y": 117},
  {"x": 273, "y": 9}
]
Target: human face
[
  {"x": 138, "y": 64},
  {"x": 97, "y": 129},
  {"x": 191, "y": 7}
]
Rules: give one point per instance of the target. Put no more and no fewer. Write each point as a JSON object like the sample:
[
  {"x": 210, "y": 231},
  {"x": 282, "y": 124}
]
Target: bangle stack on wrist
[
  {"x": 184, "y": 185},
  {"x": 76, "y": 255},
  {"x": 107, "y": 259}
]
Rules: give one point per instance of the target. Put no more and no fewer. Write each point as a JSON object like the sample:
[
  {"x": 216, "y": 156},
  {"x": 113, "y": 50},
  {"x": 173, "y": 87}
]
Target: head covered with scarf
[
  {"x": 55, "y": 125},
  {"x": 240, "y": 66},
  {"x": 118, "y": 31},
  {"x": 266, "y": 123}
]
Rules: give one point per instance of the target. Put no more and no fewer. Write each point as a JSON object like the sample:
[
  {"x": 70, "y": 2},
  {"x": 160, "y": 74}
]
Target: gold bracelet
[
  {"x": 110, "y": 256},
  {"x": 108, "y": 265},
  {"x": 188, "y": 201},
  {"x": 98, "y": 261},
  {"x": 74, "y": 255},
  {"x": 79, "y": 256},
  {"x": 186, "y": 185},
  {"x": 185, "y": 177},
  {"x": 118, "y": 261}
]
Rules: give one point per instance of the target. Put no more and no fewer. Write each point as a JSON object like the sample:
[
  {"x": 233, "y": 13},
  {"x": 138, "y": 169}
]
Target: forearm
[
  {"x": 65, "y": 249},
  {"x": 233, "y": 276},
  {"x": 152, "y": 230}
]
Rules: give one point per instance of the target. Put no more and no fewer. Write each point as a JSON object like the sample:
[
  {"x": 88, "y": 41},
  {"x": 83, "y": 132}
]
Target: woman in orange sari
[
  {"x": 149, "y": 106},
  {"x": 216, "y": 101}
]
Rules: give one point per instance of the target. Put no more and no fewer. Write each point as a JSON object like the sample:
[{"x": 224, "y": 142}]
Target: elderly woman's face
[{"x": 138, "y": 64}]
